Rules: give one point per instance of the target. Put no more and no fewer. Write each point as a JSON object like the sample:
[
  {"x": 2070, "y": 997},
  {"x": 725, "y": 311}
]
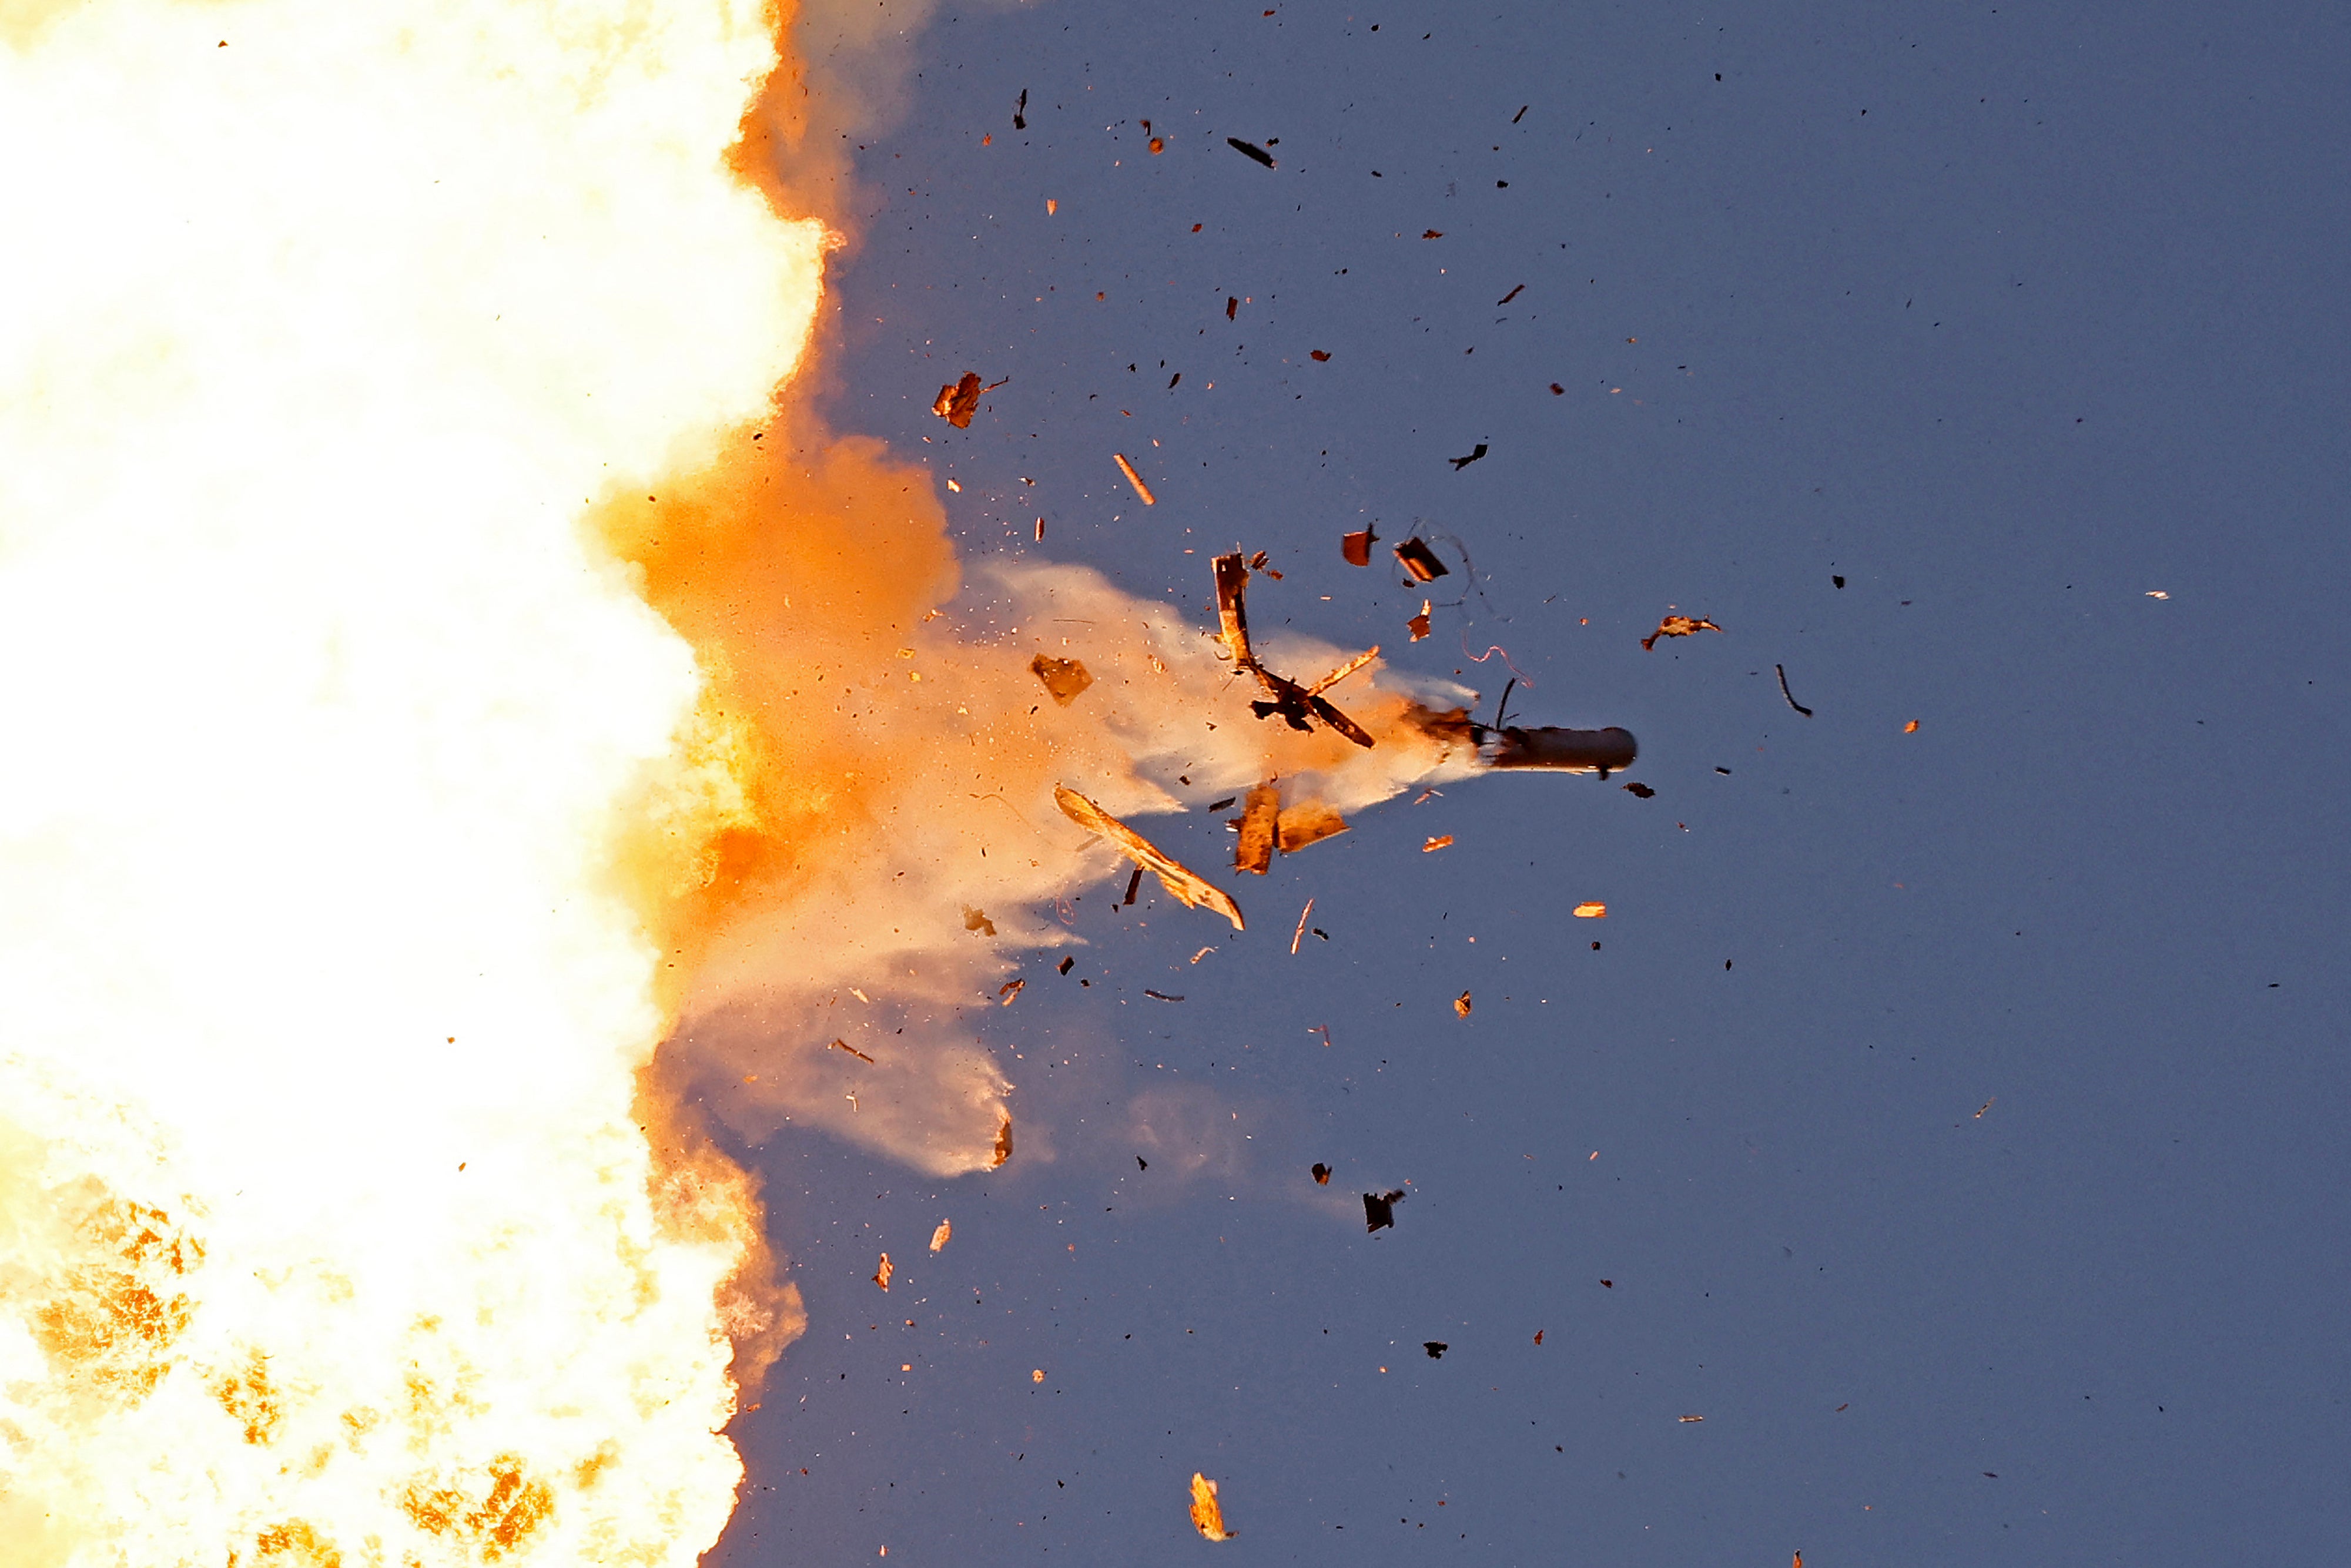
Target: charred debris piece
[
  {"x": 1461, "y": 462},
  {"x": 1021, "y": 111},
  {"x": 1356, "y": 548},
  {"x": 1543, "y": 749},
  {"x": 1379, "y": 1209},
  {"x": 1250, "y": 149},
  {"x": 1678, "y": 626},
  {"x": 1322, "y": 1174},
  {"x": 1420, "y": 560},
  {"x": 1435, "y": 1348},
  {"x": 1266, "y": 825},
  {"x": 1300, "y": 708},
  {"x": 1184, "y": 886},
  {"x": 1065, "y": 678}
]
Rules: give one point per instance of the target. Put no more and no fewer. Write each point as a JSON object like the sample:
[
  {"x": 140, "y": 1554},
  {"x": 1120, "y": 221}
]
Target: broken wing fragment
[
  {"x": 956, "y": 403},
  {"x": 1254, "y": 852},
  {"x": 1379, "y": 1209},
  {"x": 1678, "y": 626},
  {"x": 1207, "y": 1515},
  {"x": 1184, "y": 886},
  {"x": 1065, "y": 678}
]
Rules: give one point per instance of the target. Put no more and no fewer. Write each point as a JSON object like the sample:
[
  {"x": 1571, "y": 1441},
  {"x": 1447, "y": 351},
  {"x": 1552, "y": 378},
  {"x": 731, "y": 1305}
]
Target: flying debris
[
  {"x": 844, "y": 1045},
  {"x": 1693, "y": 1418},
  {"x": 1785, "y": 692},
  {"x": 1021, "y": 111},
  {"x": 1140, "y": 1163},
  {"x": 1007, "y": 991},
  {"x": 1513, "y": 294},
  {"x": 1003, "y": 1145},
  {"x": 1460, "y": 463},
  {"x": 1254, "y": 851},
  {"x": 1309, "y": 822},
  {"x": 1435, "y": 1348},
  {"x": 1322, "y": 1174},
  {"x": 1910, "y": 728},
  {"x": 1592, "y": 911},
  {"x": 942, "y": 1236},
  {"x": 957, "y": 402},
  {"x": 1461, "y": 1005},
  {"x": 1420, "y": 560},
  {"x": 1184, "y": 886},
  {"x": 1299, "y": 934},
  {"x": 1300, "y": 708},
  {"x": 1344, "y": 671},
  {"x": 1438, "y": 841},
  {"x": 1678, "y": 626},
  {"x": 1065, "y": 678},
  {"x": 977, "y": 920},
  {"x": 1379, "y": 1209},
  {"x": 1432, "y": 233},
  {"x": 1161, "y": 996},
  {"x": 1539, "y": 1334},
  {"x": 1418, "y": 625},
  {"x": 1357, "y": 547},
  {"x": 1232, "y": 307},
  {"x": 882, "y": 1275},
  {"x": 1640, "y": 789},
  {"x": 1135, "y": 480},
  {"x": 1320, "y": 356},
  {"x": 1250, "y": 149},
  {"x": 1133, "y": 886},
  {"x": 1207, "y": 1515}
]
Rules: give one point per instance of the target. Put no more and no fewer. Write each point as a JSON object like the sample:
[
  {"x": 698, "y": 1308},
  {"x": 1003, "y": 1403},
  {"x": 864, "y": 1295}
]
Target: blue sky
[{"x": 2010, "y": 318}]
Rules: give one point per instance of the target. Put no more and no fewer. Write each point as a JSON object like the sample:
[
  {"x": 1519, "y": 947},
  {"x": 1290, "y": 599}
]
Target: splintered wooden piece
[
  {"x": 1254, "y": 852},
  {"x": 1184, "y": 886}
]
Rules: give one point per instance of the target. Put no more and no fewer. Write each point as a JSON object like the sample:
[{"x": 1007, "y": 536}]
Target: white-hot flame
[{"x": 328, "y": 1231}]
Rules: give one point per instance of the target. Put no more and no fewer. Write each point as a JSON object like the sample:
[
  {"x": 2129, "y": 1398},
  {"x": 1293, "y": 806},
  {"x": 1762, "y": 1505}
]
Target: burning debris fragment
[
  {"x": 1003, "y": 1145},
  {"x": 958, "y": 401},
  {"x": 882, "y": 1274},
  {"x": 942, "y": 1236},
  {"x": 1322, "y": 1174},
  {"x": 1379, "y": 1209},
  {"x": 1065, "y": 678},
  {"x": 1461, "y": 1005},
  {"x": 1593, "y": 910},
  {"x": 1420, "y": 560},
  {"x": 1184, "y": 886},
  {"x": 1678, "y": 626},
  {"x": 1418, "y": 625},
  {"x": 1435, "y": 842},
  {"x": 1207, "y": 1515}
]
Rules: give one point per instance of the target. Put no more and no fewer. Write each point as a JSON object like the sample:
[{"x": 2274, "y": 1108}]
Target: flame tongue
[{"x": 328, "y": 1229}]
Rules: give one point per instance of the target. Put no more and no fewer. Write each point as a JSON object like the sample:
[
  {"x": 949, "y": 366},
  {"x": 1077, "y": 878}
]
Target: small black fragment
[
  {"x": 1461, "y": 462},
  {"x": 1643, "y": 790},
  {"x": 1220, "y": 805},
  {"x": 1063, "y": 966},
  {"x": 1435, "y": 1348},
  {"x": 1140, "y": 1163},
  {"x": 1379, "y": 1208},
  {"x": 1250, "y": 149},
  {"x": 1132, "y": 884},
  {"x": 1020, "y": 114},
  {"x": 1322, "y": 1174},
  {"x": 1838, "y": 580}
]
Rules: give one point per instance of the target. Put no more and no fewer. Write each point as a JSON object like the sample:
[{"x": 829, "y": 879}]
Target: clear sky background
[{"x": 2008, "y": 316}]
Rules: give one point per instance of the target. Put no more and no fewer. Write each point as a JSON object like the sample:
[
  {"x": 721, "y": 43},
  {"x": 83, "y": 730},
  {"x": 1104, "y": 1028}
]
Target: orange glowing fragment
[
  {"x": 1038, "y": 1375},
  {"x": 882, "y": 1275},
  {"x": 1207, "y": 1515},
  {"x": 1419, "y": 623},
  {"x": 1003, "y": 1145},
  {"x": 1357, "y": 547},
  {"x": 1678, "y": 626},
  {"x": 1442, "y": 840},
  {"x": 1910, "y": 728},
  {"x": 1134, "y": 479},
  {"x": 1592, "y": 911},
  {"x": 1065, "y": 678},
  {"x": 1421, "y": 561},
  {"x": 1007, "y": 991},
  {"x": 1344, "y": 671},
  {"x": 1187, "y": 887},
  {"x": 1461, "y": 1005},
  {"x": 939, "y": 1238}
]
